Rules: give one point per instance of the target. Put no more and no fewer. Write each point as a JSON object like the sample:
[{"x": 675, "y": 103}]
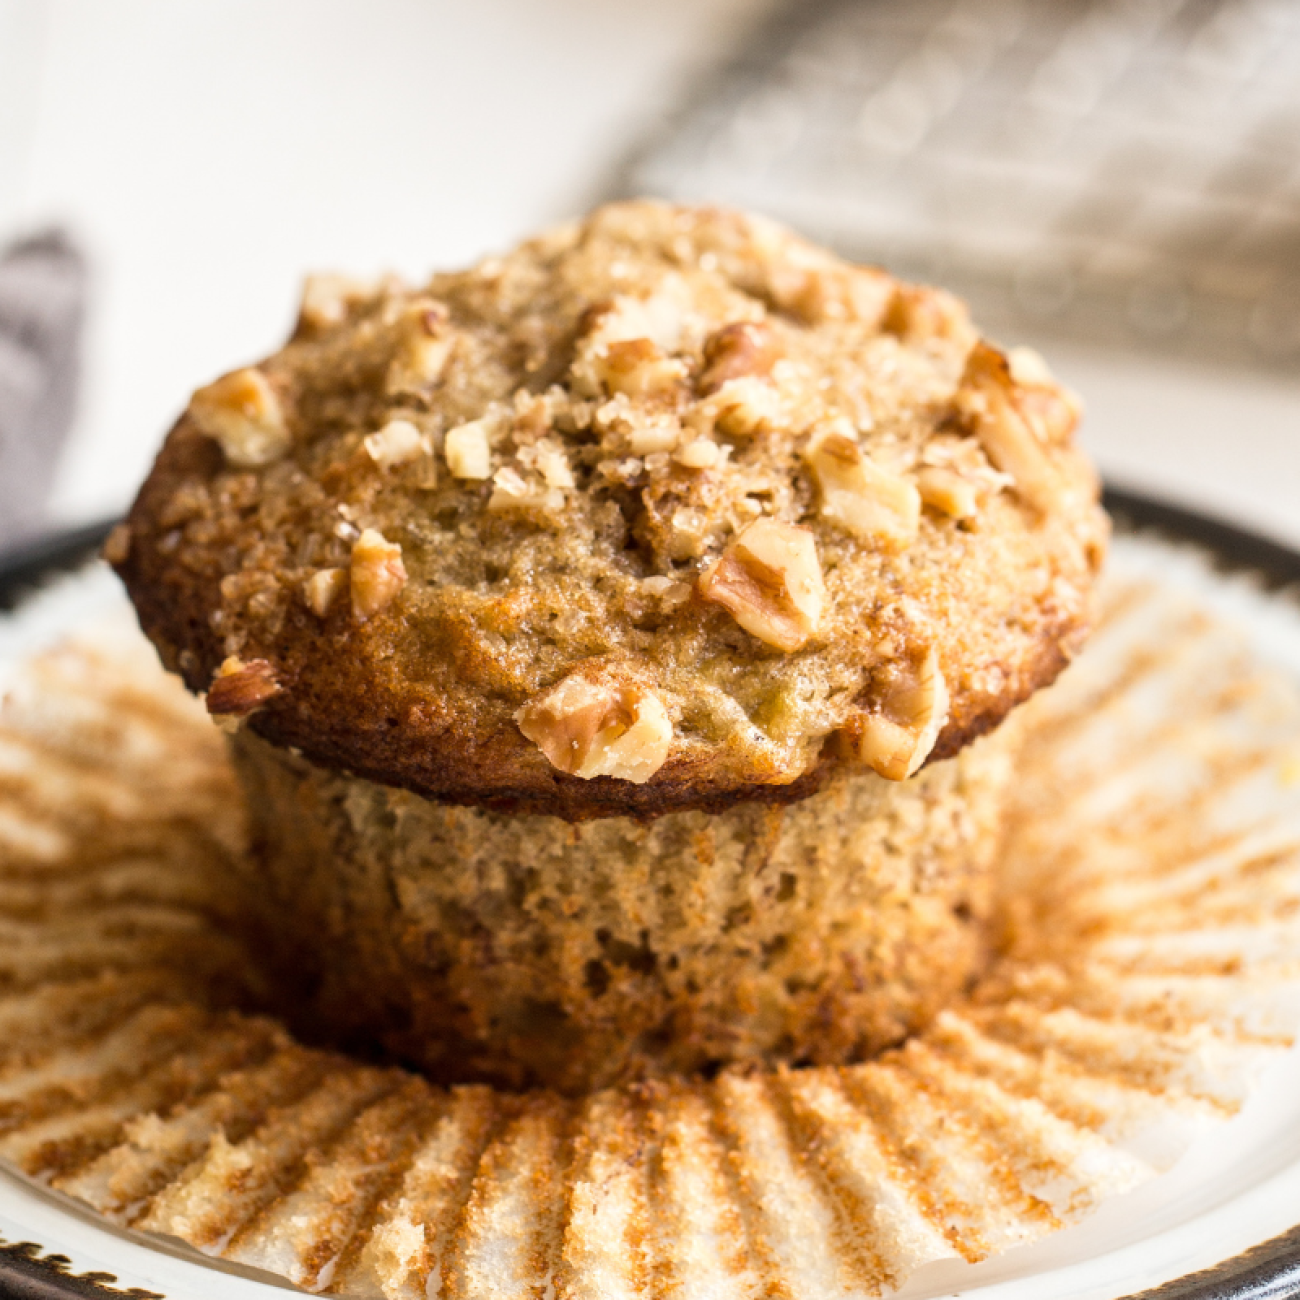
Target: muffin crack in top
[{"x": 662, "y": 510}]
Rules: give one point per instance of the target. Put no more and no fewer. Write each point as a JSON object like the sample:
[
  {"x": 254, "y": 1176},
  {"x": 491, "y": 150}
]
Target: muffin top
[{"x": 664, "y": 509}]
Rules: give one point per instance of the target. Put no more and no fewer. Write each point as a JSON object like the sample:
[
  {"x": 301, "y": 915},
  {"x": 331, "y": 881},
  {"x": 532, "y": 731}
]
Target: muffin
[{"x": 604, "y": 629}]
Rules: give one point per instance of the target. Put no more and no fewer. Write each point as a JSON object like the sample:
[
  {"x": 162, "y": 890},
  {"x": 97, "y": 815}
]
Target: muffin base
[{"x": 524, "y": 950}]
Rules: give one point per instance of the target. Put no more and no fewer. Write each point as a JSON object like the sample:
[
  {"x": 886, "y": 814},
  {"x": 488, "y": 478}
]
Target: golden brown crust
[{"x": 621, "y": 470}]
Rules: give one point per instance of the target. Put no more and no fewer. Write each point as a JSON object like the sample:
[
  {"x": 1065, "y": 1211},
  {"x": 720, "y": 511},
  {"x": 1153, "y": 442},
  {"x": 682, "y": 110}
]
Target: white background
[{"x": 208, "y": 152}]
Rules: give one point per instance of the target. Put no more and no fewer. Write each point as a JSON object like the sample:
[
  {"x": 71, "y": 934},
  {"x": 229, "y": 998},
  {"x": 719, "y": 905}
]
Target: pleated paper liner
[{"x": 1152, "y": 882}]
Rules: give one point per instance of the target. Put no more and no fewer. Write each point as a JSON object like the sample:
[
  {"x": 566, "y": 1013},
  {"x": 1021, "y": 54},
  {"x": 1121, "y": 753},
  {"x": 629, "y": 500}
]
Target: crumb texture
[
  {"x": 679, "y": 451},
  {"x": 524, "y": 950}
]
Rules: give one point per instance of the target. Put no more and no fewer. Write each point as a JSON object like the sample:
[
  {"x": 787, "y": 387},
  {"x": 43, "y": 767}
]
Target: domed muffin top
[{"x": 663, "y": 509}]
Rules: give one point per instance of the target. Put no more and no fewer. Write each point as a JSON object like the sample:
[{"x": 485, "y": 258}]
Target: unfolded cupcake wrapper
[{"x": 1151, "y": 916}]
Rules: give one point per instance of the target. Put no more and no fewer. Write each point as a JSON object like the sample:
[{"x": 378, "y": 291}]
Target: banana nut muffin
[{"x": 663, "y": 514}]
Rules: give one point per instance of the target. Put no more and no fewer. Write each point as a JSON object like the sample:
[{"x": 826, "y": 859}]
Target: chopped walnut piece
[
  {"x": 117, "y": 545},
  {"x": 425, "y": 346},
  {"x": 327, "y": 299},
  {"x": 554, "y": 465},
  {"x": 241, "y": 688},
  {"x": 990, "y": 402},
  {"x": 918, "y": 312},
  {"x": 637, "y": 368},
  {"x": 700, "y": 453},
  {"x": 668, "y": 591},
  {"x": 323, "y": 589},
  {"x": 743, "y": 349},
  {"x": 1027, "y": 366},
  {"x": 241, "y": 412},
  {"x": 741, "y": 407},
  {"x": 896, "y": 738},
  {"x": 511, "y": 491},
  {"x": 821, "y": 291},
  {"x": 654, "y": 435},
  {"x": 1052, "y": 411},
  {"x": 468, "y": 451},
  {"x": 397, "y": 443},
  {"x": 592, "y": 728},
  {"x": 947, "y": 491},
  {"x": 770, "y": 581},
  {"x": 377, "y": 574},
  {"x": 867, "y": 500}
]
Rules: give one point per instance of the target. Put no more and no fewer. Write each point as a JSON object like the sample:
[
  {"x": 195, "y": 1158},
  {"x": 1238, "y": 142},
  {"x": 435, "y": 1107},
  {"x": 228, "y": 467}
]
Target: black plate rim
[{"x": 1268, "y": 1271}]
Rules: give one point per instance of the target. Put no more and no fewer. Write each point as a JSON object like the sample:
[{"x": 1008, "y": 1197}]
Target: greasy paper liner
[{"x": 1152, "y": 881}]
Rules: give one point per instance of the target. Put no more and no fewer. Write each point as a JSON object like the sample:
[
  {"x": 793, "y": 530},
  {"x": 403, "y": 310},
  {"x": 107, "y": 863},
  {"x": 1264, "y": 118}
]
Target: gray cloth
[{"x": 42, "y": 304}]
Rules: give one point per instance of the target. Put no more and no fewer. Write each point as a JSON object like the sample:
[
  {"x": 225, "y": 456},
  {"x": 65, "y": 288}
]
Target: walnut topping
[
  {"x": 511, "y": 491},
  {"x": 1052, "y": 411},
  {"x": 917, "y": 313},
  {"x": 328, "y": 299},
  {"x": 860, "y": 495},
  {"x": 948, "y": 491},
  {"x": 653, "y": 435},
  {"x": 423, "y": 349},
  {"x": 671, "y": 593},
  {"x": 989, "y": 400},
  {"x": 323, "y": 588},
  {"x": 468, "y": 451},
  {"x": 739, "y": 350},
  {"x": 741, "y": 407},
  {"x": 377, "y": 574},
  {"x": 770, "y": 581},
  {"x": 700, "y": 453},
  {"x": 242, "y": 413},
  {"x": 899, "y": 735},
  {"x": 117, "y": 545},
  {"x": 591, "y": 728},
  {"x": 554, "y": 465},
  {"x": 1027, "y": 366},
  {"x": 398, "y": 442},
  {"x": 241, "y": 688},
  {"x": 626, "y": 342},
  {"x": 637, "y": 368}
]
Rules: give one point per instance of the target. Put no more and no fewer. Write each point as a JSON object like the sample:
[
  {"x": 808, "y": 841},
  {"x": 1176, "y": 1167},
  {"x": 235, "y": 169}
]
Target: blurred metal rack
[{"x": 1121, "y": 171}]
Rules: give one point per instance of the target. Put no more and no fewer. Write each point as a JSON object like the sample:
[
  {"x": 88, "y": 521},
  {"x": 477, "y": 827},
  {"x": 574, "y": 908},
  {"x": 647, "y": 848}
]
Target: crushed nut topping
[
  {"x": 918, "y": 313},
  {"x": 770, "y": 581},
  {"x": 743, "y": 349},
  {"x": 1052, "y": 411},
  {"x": 601, "y": 444},
  {"x": 989, "y": 400},
  {"x": 700, "y": 453},
  {"x": 867, "y": 500},
  {"x": 241, "y": 688},
  {"x": 636, "y": 368},
  {"x": 947, "y": 491},
  {"x": 241, "y": 412},
  {"x": 653, "y": 435},
  {"x": 323, "y": 589},
  {"x": 670, "y": 592},
  {"x": 554, "y": 465},
  {"x": 397, "y": 443},
  {"x": 897, "y": 737},
  {"x": 327, "y": 299},
  {"x": 740, "y": 407},
  {"x": 377, "y": 574},
  {"x": 468, "y": 451},
  {"x": 593, "y": 728},
  {"x": 1027, "y": 366},
  {"x": 117, "y": 545},
  {"x": 511, "y": 491},
  {"x": 424, "y": 349}
]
